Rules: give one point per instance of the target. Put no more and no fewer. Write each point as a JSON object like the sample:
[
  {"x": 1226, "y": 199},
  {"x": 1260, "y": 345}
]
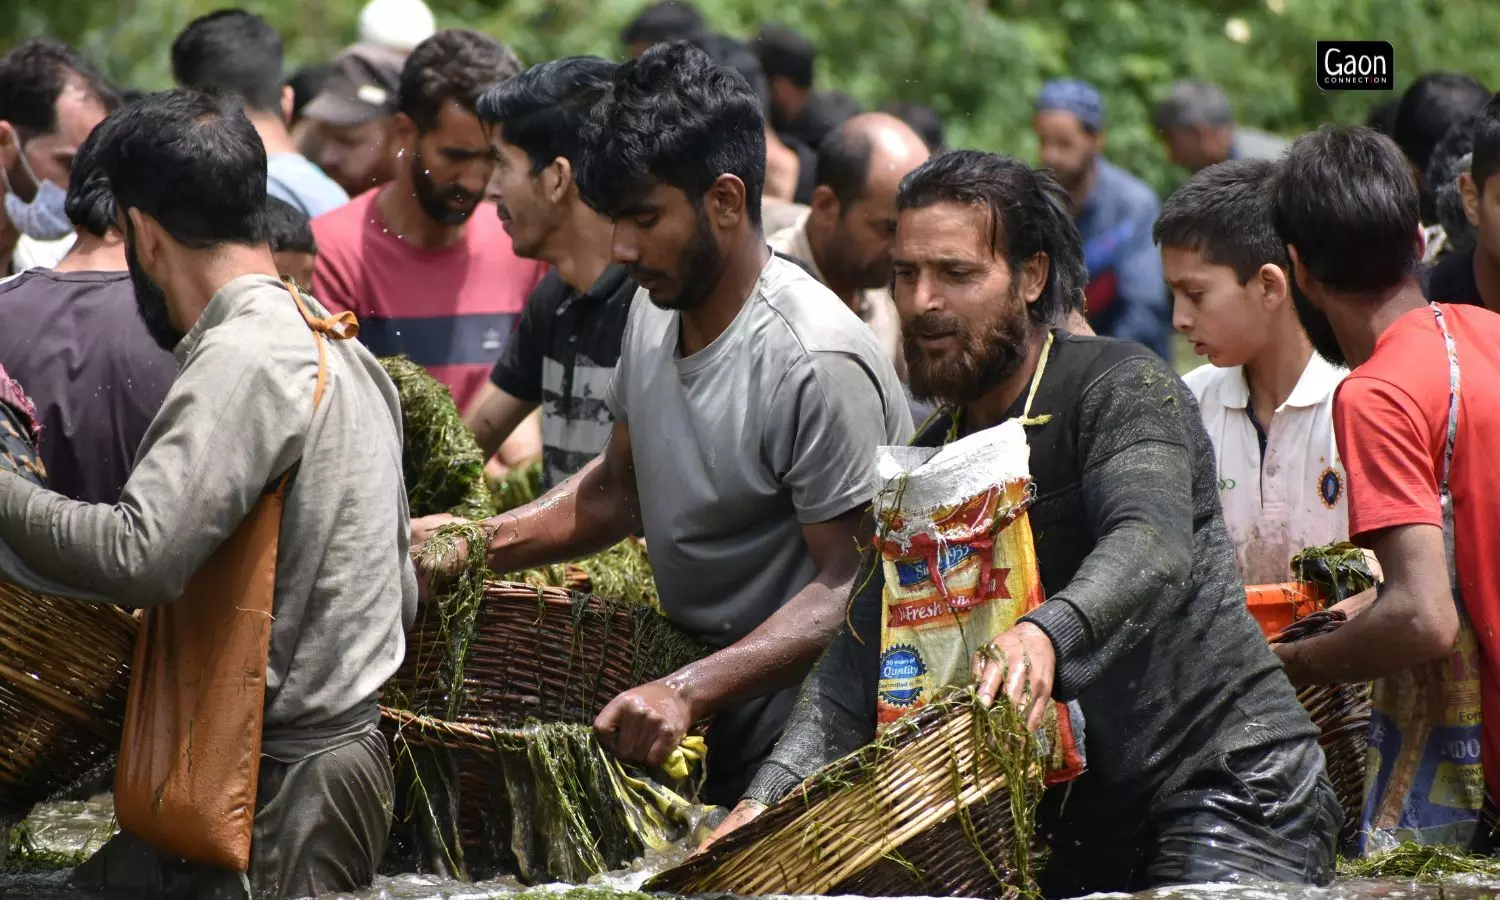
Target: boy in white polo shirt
[{"x": 1266, "y": 398}]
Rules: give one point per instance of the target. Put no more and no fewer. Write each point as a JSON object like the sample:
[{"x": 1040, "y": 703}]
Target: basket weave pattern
[
  {"x": 1342, "y": 714},
  {"x": 63, "y": 677},
  {"x": 925, "y": 811}
]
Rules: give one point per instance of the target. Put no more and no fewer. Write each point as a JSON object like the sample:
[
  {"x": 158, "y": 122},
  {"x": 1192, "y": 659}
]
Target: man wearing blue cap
[{"x": 1114, "y": 211}]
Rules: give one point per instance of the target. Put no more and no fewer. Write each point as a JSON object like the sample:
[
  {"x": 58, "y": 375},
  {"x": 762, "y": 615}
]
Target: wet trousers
[
  {"x": 1266, "y": 813},
  {"x": 321, "y": 825}
]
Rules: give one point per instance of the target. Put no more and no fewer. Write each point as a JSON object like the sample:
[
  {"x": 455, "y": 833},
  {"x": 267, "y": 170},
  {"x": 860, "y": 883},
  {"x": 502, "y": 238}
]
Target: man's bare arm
[
  {"x": 595, "y": 509},
  {"x": 1412, "y": 621},
  {"x": 494, "y": 416},
  {"x": 646, "y": 724}
]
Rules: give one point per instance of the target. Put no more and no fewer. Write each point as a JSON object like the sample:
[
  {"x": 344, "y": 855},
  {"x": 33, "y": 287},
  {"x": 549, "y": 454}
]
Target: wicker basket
[
  {"x": 547, "y": 654},
  {"x": 1342, "y": 714},
  {"x": 63, "y": 677},
  {"x": 926, "y": 811},
  {"x": 542, "y": 802}
]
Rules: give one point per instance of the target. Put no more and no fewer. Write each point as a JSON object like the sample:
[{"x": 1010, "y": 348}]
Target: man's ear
[
  {"x": 1034, "y": 277},
  {"x": 148, "y": 235},
  {"x": 727, "y": 201},
  {"x": 825, "y": 206},
  {"x": 10, "y": 145},
  {"x": 1469, "y": 191},
  {"x": 288, "y": 102},
  {"x": 557, "y": 180},
  {"x": 406, "y": 133}
]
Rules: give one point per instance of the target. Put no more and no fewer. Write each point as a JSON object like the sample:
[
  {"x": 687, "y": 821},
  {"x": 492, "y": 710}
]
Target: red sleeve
[{"x": 1385, "y": 446}]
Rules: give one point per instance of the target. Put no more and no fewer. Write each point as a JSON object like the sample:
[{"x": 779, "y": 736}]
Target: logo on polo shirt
[
  {"x": 1330, "y": 487},
  {"x": 492, "y": 340},
  {"x": 1226, "y": 484}
]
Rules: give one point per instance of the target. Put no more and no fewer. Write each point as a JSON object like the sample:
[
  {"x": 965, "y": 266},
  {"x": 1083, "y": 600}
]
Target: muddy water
[{"x": 82, "y": 827}]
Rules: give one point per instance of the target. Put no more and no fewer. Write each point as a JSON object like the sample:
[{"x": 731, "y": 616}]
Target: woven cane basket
[
  {"x": 928, "y": 810},
  {"x": 63, "y": 676},
  {"x": 1342, "y": 714},
  {"x": 542, "y": 653}
]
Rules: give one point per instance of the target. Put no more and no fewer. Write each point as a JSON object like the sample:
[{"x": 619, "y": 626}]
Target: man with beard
[
  {"x": 426, "y": 276},
  {"x": 1197, "y": 773},
  {"x": 1114, "y": 210},
  {"x": 73, "y": 336},
  {"x": 348, "y": 127},
  {"x": 845, "y": 237},
  {"x": 564, "y": 351},
  {"x": 1412, "y": 419},
  {"x": 254, "y": 412},
  {"x": 747, "y": 403}
]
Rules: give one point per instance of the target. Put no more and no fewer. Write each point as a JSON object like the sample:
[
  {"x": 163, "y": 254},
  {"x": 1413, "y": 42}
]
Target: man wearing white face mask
[{"x": 50, "y": 99}]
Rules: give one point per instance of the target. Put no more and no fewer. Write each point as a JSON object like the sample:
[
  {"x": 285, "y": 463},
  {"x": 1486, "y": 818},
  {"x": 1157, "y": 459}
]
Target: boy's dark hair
[
  {"x": 288, "y": 229},
  {"x": 232, "y": 51},
  {"x": 1028, "y": 213},
  {"x": 924, "y": 120},
  {"x": 673, "y": 117},
  {"x": 1431, "y": 106},
  {"x": 1382, "y": 116},
  {"x": 456, "y": 65},
  {"x": 33, "y": 75},
  {"x": 786, "y": 53},
  {"x": 1346, "y": 200},
  {"x": 544, "y": 109},
  {"x": 193, "y": 162},
  {"x": 1485, "y": 135},
  {"x": 668, "y": 20},
  {"x": 1224, "y": 213}
]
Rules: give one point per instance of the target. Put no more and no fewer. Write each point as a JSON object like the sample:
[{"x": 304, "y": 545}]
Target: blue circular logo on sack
[{"x": 901, "y": 671}]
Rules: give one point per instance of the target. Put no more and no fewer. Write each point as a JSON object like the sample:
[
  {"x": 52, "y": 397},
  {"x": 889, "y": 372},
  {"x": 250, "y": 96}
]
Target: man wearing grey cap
[
  {"x": 1125, "y": 297},
  {"x": 355, "y": 112},
  {"x": 1196, "y": 122}
]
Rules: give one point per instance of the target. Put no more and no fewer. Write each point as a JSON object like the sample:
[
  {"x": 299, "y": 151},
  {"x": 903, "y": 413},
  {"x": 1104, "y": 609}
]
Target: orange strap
[{"x": 340, "y": 327}]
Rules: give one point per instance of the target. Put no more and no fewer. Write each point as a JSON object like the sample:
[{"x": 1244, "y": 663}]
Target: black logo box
[{"x": 1356, "y": 66}]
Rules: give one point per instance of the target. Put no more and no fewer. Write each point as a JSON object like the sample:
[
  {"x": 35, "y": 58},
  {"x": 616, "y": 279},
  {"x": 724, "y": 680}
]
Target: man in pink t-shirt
[{"x": 427, "y": 276}]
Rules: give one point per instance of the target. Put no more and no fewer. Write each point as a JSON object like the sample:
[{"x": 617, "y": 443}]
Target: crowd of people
[{"x": 703, "y": 292}]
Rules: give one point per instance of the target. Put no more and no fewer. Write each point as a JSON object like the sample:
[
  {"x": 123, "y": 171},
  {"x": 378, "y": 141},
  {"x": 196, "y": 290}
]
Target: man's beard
[
  {"x": 150, "y": 299},
  {"x": 986, "y": 356},
  {"x": 437, "y": 201},
  {"x": 699, "y": 267},
  {"x": 1319, "y": 329}
]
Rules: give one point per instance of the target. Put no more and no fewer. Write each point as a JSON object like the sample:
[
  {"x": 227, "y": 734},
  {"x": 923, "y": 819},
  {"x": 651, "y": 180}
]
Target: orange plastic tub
[{"x": 1275, "y": 606}]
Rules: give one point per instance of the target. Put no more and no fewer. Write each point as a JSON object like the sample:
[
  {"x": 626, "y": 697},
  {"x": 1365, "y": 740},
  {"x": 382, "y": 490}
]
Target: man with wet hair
[
  {"x": 665, "y": 20},
  {"x": 1197, "y": 773},
  {"x": 427, "y": 277},
  {"x": 747, "y": 405},
  {"x": 1433, "y": 104}
]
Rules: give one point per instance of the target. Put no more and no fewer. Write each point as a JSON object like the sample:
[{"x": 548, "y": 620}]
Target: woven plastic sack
[{"x": 960, "y": 568}]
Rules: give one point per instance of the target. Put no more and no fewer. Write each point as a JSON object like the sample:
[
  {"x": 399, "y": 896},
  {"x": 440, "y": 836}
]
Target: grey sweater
[
  {"x": 239, "y": 415},
  {"x": 1145, "y": 608}
]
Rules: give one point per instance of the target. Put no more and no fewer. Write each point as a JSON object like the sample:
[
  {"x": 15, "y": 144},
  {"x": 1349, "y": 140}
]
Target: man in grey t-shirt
[{"x": 748, "y": 403}]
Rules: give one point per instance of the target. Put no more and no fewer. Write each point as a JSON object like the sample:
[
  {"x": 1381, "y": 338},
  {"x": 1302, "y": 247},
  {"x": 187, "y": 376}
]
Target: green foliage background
[{"x": 977, "y": 63}]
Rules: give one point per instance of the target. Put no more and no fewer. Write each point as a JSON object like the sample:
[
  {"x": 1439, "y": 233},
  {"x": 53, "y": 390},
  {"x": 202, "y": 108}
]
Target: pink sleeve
[{"x": 1384, "y": 443}]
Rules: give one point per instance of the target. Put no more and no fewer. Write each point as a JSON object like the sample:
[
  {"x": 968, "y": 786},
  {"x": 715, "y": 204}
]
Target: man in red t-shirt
[
  {"x": 422, "y": 261},
  {"x": 1348, "y": 209}
]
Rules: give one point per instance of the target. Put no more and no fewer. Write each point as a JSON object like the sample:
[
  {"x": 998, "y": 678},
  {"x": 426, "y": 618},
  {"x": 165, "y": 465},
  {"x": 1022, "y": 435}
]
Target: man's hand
[
  {"x": 745, "y": 813},
  {"x": 645, "y": 724},
  {"x": 422, "y": 529},
  {"x": 1022, "y": 662}
]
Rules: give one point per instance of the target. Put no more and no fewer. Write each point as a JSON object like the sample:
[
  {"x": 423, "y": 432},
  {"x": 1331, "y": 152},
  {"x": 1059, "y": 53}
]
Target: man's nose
[{"x": 623, "y": 245}]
